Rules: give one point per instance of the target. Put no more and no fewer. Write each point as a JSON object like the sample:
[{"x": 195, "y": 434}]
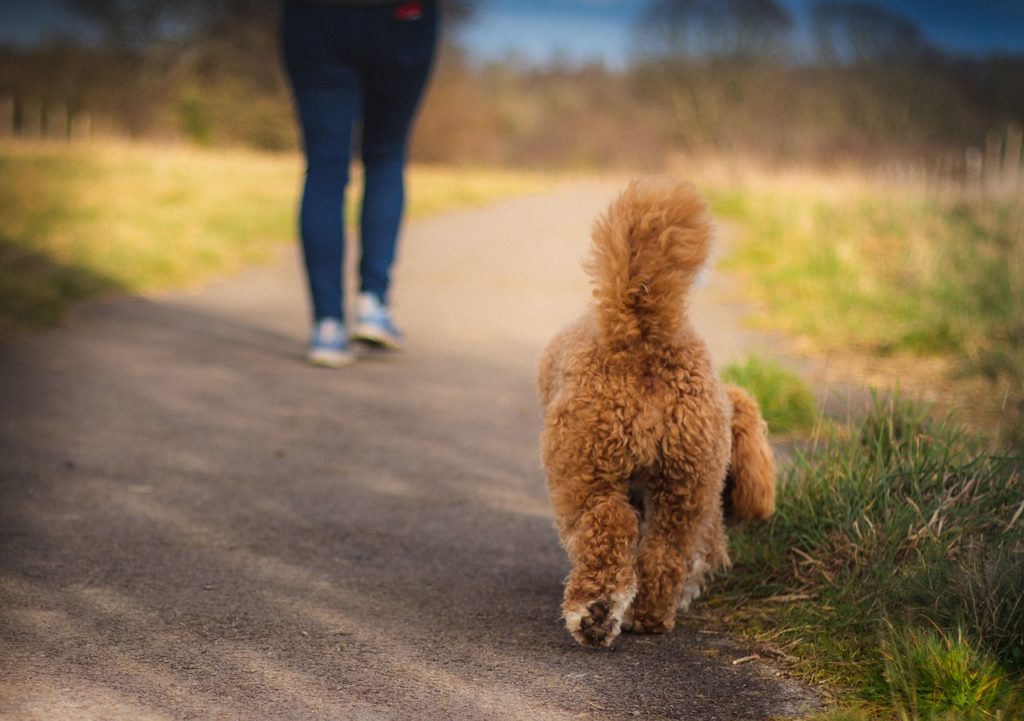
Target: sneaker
[
  {"x": 329, "y": 344},
  {"x": 374, "y": 325}
]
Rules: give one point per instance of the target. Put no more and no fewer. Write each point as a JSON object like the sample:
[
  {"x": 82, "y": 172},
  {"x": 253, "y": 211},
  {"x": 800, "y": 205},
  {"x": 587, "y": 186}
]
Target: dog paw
[
  {"x": 646, "y": 624},
  {"x": 594, "y": 625}
]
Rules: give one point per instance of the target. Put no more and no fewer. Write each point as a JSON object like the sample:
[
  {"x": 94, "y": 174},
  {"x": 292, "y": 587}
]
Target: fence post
[
  {"x": 6, "y": 116},
  {"x": 80, "y": 127},
  {"x": 993, "y": 159},
  {"x": 57, "y": 121},
  {"x": 1012, "y": 156},
  {"x": 31, "y": 118},
  {"x": 974, "y": 164}
]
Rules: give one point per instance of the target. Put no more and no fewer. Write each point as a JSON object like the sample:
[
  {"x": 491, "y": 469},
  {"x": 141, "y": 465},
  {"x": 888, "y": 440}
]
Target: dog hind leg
[
  {"x": 602, "y": 546},
  {"x": 662, "y": 568},
  {"x": 711, "y": 554},
  {"x": 682, "y": 541}
]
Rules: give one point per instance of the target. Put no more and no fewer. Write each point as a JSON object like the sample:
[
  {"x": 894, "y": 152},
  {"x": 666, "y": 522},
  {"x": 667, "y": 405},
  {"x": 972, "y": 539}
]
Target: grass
[
  {"x": 877, "y": 268},
  {"x": 787, "y": 404},
  {"x": 894, "y": 568},
  {"x": 885, "y": 271},
  {"x": 931, "y": 674},
  {"x": 84, "y": 220}
]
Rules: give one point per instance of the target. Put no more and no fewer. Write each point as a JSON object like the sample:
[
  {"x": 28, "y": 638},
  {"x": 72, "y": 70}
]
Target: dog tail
[
  {"x": 648, "y": 246},
  {"x": 750, "y": 483}
]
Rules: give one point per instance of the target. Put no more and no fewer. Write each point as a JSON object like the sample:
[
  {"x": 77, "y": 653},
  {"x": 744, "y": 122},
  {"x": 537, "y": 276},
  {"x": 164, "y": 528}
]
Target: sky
[
  {"x": 602, "y": 30},
  {"x": 586, "y": 30}
]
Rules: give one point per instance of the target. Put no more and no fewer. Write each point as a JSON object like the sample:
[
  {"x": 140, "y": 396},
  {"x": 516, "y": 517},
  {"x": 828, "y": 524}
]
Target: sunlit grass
[
  {"x": 435, "y": 189},
  {"x": 884, "y": 267},
  {"x": 81, "y": 220}
]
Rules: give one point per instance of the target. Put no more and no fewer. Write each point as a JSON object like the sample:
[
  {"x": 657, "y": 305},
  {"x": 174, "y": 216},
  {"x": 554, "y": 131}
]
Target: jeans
[{"x": 348, "y": 63}]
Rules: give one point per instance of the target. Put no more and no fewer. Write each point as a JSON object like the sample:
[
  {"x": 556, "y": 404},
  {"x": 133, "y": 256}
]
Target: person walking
[{"x": 354, "y": 66}]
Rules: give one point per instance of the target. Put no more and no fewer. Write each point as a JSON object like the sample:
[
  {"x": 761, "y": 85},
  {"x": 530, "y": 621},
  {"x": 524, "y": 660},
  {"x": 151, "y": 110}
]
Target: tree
[
  {"x": 862, "y": 32},
  {"x": 207, "y": 69},
  {"x": 734, "y": 29},
  {"x": 125, "y": 24}
]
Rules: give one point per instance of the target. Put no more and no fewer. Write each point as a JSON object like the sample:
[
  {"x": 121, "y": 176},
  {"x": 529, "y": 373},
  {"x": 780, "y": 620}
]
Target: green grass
[
  {"x": 893, "y": 568},
  {"x": 84, "y": 220},
  {"x": 787, "y": 404},
  {"x": 888, "y": 270}
]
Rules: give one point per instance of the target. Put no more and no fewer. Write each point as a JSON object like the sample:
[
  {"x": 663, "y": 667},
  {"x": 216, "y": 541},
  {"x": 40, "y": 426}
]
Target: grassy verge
[
  {"x": 894, "y": 567},
  {"x": 83, "y": 220},
  {"x": 881, "y": 269}
]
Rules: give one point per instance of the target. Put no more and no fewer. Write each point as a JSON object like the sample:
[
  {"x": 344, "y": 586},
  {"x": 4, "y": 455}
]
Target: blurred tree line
[{"x": 707, "y": 77}]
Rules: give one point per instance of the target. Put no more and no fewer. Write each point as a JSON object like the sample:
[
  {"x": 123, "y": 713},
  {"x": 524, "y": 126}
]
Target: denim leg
[
  {"x": 327, "y": 116},
  {"x": 392, "y": 94},
  {"x": 341, "y": 60},
  {"x": 327, "y": 99},
  {"x": 383, "y": 206}
]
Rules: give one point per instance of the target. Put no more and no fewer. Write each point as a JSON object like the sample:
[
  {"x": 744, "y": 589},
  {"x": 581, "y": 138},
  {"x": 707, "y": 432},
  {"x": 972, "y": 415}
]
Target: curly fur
[{"x": 639, "y": 433}]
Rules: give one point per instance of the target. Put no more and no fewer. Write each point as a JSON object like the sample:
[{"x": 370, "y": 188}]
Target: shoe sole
[
  {"x": 374, "y": 336},
  {"x": 330, "y": 358}
]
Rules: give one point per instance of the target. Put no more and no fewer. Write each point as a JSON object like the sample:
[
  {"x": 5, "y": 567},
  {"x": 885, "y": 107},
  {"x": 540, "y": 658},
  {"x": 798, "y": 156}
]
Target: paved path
[{"x": 196, "y": 525}]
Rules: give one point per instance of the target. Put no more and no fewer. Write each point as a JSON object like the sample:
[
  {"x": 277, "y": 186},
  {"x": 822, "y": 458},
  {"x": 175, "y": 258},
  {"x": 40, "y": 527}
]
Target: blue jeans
[{"x": 348, "y": 63}]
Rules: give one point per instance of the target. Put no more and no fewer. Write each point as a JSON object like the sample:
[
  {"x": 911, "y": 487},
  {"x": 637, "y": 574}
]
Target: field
[
  {"x": 899, "y": 282},
  {"x": 84, "y": 220}
]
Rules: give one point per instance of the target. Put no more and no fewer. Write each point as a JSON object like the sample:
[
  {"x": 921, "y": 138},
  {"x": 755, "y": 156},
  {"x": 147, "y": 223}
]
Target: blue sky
[
  {"x": 580, "y": 30},
  {"x": 584, "y": 30}
]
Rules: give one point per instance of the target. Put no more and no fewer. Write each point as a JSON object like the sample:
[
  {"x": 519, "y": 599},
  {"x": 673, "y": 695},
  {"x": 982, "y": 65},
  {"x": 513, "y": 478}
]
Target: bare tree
[
  {"x": 208, "y": 68},
  {"x": 126, "y": 24},
  {"x": 736, "y": 29},
  {"x": 862, "y": 32}
]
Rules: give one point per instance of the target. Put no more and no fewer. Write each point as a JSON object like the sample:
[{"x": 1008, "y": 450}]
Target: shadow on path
[{"x": 194, "y": 524}]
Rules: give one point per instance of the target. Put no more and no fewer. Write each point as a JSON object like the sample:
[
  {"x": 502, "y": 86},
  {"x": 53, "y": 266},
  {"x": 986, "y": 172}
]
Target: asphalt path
[{"x": 195, "y": 524}]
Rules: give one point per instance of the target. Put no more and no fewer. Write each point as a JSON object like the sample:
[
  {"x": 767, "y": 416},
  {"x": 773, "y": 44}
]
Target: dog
[{"x": 644, "y": 448}]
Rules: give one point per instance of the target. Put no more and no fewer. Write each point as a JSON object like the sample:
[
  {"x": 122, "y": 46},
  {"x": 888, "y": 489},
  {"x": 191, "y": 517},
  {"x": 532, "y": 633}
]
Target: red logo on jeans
[{"x": 409, "y": 11}]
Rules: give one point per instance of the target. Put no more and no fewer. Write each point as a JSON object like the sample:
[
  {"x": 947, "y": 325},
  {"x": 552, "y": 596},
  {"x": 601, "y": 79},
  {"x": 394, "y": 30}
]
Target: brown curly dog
[{"x": 641, "y": 440}]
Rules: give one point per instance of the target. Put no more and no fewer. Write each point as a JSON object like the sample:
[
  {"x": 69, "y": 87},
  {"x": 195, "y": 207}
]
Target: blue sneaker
[
  {"x": 374, "y": 325},
  {"x": 329, "y": 344}
]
